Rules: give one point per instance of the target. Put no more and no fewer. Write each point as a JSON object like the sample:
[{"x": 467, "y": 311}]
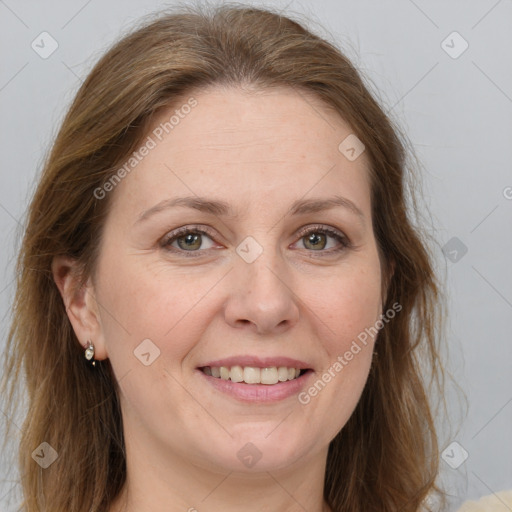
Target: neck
[{"x": 164, "y": 482}]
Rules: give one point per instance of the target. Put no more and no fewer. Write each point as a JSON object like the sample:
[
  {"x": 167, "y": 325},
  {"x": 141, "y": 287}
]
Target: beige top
[{"x": 497, "y": 502}]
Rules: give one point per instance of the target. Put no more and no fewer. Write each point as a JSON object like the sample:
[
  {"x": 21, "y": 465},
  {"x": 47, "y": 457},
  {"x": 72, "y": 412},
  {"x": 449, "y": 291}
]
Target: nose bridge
[
  {"x": 261, "y": 262},
  {"x": 261, "y": 291}
]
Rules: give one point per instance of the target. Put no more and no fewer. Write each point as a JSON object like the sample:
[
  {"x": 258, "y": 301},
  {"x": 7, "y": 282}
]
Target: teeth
[
  {"x": 269, "y": 376},
  {"x": 253, "y": 375},
  {"x": 282, "y": 373},
  {"x": 236, "y": 374}
]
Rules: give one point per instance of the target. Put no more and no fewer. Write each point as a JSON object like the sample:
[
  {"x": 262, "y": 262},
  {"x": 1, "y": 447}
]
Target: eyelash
[{"x": 181, "y": 232}]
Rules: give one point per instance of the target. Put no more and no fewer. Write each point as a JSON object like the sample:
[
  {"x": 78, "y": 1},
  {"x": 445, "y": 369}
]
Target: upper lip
[{"x": 258, "y": 362}]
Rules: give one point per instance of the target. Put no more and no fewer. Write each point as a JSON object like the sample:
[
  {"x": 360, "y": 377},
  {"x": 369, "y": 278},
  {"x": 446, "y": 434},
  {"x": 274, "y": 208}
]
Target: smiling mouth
[{"x": 254, "y": 375}]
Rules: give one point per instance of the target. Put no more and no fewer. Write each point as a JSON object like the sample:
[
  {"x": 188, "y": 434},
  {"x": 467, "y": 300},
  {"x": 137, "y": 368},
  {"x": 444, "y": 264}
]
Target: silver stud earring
[{"x": 89, "y": 353}]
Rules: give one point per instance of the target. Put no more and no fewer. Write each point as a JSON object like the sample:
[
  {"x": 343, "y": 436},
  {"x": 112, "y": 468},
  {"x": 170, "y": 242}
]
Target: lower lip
[{"x": 259, "y": 392}]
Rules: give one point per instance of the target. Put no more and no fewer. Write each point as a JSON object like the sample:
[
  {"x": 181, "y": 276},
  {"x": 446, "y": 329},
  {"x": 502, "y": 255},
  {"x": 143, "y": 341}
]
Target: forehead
[{"x": 241, "y": 145}]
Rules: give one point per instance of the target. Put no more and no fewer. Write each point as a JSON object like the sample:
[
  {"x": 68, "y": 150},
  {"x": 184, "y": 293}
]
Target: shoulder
[{"x": 497, "y": 502}]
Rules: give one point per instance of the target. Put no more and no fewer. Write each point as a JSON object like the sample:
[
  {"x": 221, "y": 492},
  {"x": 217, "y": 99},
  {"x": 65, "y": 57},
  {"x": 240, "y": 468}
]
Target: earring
[{"x": 89, "y": 353}]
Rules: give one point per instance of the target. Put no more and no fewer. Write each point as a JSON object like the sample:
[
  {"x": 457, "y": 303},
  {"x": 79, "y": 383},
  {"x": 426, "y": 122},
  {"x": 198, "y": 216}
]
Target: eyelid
[{"x": 331, "y": 231}]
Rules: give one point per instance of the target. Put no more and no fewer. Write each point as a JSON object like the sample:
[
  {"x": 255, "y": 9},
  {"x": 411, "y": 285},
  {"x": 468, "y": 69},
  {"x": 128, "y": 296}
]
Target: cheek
[
  {"x": 346, "y": 313},
  {"x": 144, "y": 301},
  {"x": 346, "y": 304}
]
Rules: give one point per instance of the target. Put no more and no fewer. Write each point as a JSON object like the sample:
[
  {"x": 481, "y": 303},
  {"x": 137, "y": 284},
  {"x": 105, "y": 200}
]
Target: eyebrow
[{"x": 223, "y": 209}]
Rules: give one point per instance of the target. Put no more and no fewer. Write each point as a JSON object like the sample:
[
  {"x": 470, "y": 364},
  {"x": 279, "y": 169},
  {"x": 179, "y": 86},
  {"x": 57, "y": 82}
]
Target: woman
[{"x": 222, "y": 302}]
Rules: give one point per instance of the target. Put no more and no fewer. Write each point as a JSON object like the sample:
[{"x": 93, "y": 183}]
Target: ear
[{"x": 80, "y": 302}]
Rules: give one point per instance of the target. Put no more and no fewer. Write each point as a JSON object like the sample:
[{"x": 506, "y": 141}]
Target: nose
[{"x": 261, "y": 296}]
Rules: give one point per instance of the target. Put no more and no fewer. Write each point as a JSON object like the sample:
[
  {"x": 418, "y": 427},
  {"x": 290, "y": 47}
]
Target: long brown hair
[{"x": 385, "y": 459}]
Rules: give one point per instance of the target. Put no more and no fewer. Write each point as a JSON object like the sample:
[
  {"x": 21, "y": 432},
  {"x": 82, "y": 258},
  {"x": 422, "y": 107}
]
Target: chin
[{"x": 253, "y": 454}]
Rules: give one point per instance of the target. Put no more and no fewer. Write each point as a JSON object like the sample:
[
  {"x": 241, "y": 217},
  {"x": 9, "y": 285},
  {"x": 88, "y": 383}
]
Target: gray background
[{"x": 457, "y": 113}]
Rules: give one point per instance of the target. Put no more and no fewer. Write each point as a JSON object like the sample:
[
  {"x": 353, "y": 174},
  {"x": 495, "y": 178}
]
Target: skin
[{"x": 259, "y": 151}]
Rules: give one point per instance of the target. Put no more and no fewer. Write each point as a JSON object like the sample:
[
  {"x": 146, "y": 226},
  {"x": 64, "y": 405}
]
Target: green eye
[
  {"x": 190, "y": 240},
  {"x": 316, "y": 239},
  {"x": 187, "y": 240}
]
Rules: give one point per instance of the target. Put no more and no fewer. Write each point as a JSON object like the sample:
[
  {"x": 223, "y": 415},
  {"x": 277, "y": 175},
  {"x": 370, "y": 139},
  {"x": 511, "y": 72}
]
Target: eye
[
  {"x": 187, "y": 239},
  {"x": 315, "y": 238},
  {"x": 190, "y": 240}
]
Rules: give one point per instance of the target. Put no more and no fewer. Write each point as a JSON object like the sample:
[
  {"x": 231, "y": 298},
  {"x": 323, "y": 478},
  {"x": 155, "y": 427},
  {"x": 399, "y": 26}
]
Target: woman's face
[{"x": 258, "y": 282}]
